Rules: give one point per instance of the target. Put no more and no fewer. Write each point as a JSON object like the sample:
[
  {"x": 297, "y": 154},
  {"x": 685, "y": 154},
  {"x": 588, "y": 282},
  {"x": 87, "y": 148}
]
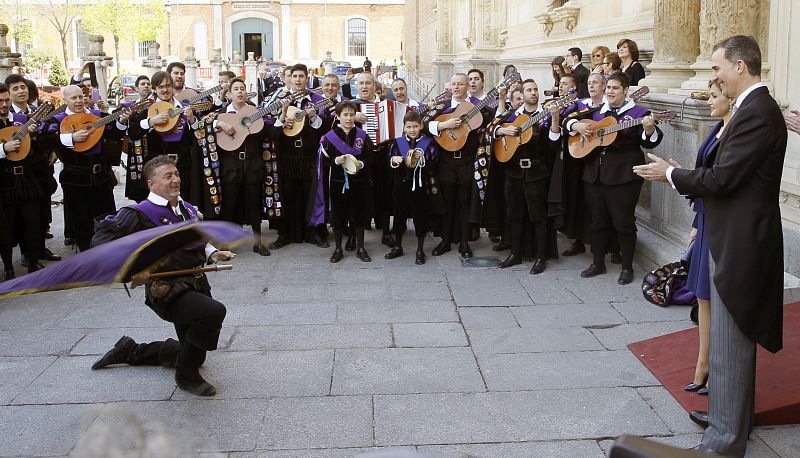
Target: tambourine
[
  {"x": 350, "y": 165},
  {"x": 414, "y": 157}
]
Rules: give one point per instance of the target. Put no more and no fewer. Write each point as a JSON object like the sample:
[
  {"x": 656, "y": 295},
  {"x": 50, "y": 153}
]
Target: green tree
[
  {"x": 18, "y": 21},
  {"x": 61, "y": 15},
  {"x": 126, "y": 19},
  {"x": 58, "y": 75}
]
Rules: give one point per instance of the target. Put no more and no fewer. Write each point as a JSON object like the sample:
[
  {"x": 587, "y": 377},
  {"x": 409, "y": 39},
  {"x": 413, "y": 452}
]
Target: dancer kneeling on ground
[{"x": 187, "y": 303}]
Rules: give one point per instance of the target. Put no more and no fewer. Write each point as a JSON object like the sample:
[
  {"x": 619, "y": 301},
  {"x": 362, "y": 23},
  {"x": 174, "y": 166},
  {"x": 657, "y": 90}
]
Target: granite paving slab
[
  {"x": 24, "y": 342},
  {"x": 43, "y": 430},
  {"x": 550, "y": 449},
  {"x": 16, "y": 374},
  {"x": 423, "y": 335},
  {"x": 488, "y": 318},
  {"x": 586, "y": 314},
  {"x": 261, "y": 313},
  {"x": 618, "y": 337},
  {"x": 542, "y": 338},
  {"x": 395, "y": 311},
  {"x": 311, "y": 337}
]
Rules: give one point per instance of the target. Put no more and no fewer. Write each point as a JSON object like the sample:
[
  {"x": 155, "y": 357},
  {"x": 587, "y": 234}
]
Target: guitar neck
[
  {"x": 623, "y": 125},
  {"x": 20, "y": 133},
  {"x": 201, "y": 95}
]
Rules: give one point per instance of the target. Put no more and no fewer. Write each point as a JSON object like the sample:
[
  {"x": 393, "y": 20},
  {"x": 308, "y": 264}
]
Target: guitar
[
  {"x": 430, "y": 105},
  {"x": 189, "y": 96},
  {"x": 470, "y": 116},
  {"x": 173, "y": 113},
  {"x": 605, "y": 132},
  {"x": 248, "y": 120},
  {"x": 505, "y": 146},
  {"x": 95, "y": 124},
  {"x": 21, "y": 134},
  {"x": 299, "y": 116}
]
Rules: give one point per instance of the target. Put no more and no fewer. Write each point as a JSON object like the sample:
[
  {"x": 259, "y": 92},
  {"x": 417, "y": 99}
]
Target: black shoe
[
  {"x": 494, "y": 238},
  {"x": 395, "y": 252},
  {"x": 49, "y": 256},
  {"x": 10, "y": 275},
  {"x": 442, "y": 248},
  {"x": 625, "y": 277},
  {"x": 703, "y": 391},
  {"x": 196, "y": 385},
  {"x": 465, "y": 250},
  {"x": 388, "y": 240},
  {"x": 502, "y": 246},
  {"x": 69, "y": 241},
  {"x": 280, "y": 242},
  {"x": 315, "y": 239},
  {"x": 118, "y": 355},
  {"x": 48, "y": 235},
  {"x": 700, "y": 417},
  {"x": 511, "y": 260},
  {"x": 337, "y": 255},
  {"x": 593, "y": 271},
  {"x": 574, "y": 249},
  {"x": 261, "y": 249},
  {"x": 362, "y": 255},
  {"x": 538, "y": 266},
  {"x": 420, "y": 258},
  {"x": 695, "y": 386},
  {"x": 616, "y": 258},
  {"x": 350, "y": 244}
]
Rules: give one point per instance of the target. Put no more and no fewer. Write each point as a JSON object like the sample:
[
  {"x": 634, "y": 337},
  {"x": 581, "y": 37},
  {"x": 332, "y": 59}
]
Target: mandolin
[
  {"x": 248, "y": 120},
  {"x": 299, "y": 116},
  {"x": 95, "y": 124},
  {"x": 605, "y": 132},
  {"x": 505, "y": 146},
  {"x": 21, "y": 133},
  {"x": 173, "y": 113},
  {"x": 470, "y": 116}
]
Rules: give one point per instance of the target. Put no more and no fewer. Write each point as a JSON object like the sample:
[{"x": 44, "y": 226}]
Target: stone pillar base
[{"x": 666, "y": 76}]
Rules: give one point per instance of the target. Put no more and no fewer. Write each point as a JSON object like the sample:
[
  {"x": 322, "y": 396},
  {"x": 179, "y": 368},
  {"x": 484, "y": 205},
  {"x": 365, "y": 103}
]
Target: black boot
[
  {"x": 395, "y": 252},
  {"x": 511, "y": 260},
  {"x": 120, "y": 354},
  {"x": 465, "y": 250},
  {"x": 538, "y": 266},
  {"x": 420, "y": 260},
  {"x": 193, "y": 383}
]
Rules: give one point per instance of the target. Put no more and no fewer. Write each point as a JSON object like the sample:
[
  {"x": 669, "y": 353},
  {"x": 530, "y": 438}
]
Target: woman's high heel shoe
[
  {"x": 696, "y": 387},
  {"x": 703, "y": 391}
]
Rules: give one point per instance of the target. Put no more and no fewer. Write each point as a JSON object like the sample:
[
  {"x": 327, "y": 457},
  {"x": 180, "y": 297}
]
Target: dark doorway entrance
[{"x": 252, "y": 43}]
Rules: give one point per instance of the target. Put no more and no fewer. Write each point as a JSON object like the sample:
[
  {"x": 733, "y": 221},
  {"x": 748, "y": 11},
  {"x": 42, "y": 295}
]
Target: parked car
[{"x": 122, "y": 89}]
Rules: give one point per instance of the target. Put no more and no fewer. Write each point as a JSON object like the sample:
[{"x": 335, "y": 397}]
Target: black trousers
[
  {"x": 85, "y": 203},
  {"x": 456, "y": 180},
  {"x": 613, "y": 207},
  {"x": 295, "y": 184},
  {"x": 242, "y": 203},
  {"x": 409, "y": 204},
  {"x": 198, "y": 322},
  {"x": 24, "y": 221},
  {"x": 527, "y": 199}
]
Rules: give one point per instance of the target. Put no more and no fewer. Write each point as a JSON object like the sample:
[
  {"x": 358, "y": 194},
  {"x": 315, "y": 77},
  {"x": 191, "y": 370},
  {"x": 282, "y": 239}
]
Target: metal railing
[{"x": 418, "y": 86}]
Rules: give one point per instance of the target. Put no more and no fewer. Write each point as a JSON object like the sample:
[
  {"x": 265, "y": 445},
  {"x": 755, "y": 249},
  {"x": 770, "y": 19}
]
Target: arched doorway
[{"x": 253, "y": 35}]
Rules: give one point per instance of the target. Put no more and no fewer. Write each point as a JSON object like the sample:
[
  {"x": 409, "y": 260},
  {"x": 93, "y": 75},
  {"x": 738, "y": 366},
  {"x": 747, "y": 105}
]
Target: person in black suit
[
  {"x": 263, "y": 82},
  {"x": 740, "y": 190},
  {"x": 581, "y": 73}
]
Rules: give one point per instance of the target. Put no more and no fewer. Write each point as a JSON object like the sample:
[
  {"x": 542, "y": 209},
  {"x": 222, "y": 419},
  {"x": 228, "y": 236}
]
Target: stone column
[
  {"x": 236, "y": 63},
  {"x": 154, "y": 62},
  {"x": 216, "y": 65},
  {"x": 286, "y": 22},
  {"x": 217, "y": 24},
  {"x": 676, "y": 39},
  {"x": 442, "y": 63},
  {"x": 251, "y": 73},
  {"x": 718, "y": 22},
  {"x": 101, "y": 62},
  {"x": 191, "y": 68},
  {"x": 8, "y": 59}
]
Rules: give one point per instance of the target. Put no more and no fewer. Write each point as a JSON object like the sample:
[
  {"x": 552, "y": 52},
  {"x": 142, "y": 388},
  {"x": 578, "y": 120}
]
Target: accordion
[{"x": 384, "y": 120}]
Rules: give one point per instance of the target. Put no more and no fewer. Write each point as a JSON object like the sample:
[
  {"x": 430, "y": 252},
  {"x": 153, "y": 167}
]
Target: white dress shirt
[{"x": 162, "y": 202}]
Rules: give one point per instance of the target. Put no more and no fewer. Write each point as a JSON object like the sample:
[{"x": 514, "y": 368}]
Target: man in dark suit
[
  {"x": 581, "y": 73},
  {"x": 264, "y": 81},
  {"x": 740, "y": 188}
]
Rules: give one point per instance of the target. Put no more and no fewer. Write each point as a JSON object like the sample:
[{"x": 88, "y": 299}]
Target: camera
[{"x": 551, "y": 93}]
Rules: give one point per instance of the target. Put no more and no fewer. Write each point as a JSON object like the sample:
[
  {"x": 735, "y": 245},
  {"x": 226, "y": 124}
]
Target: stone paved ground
[{"x": 331, "y": 361}]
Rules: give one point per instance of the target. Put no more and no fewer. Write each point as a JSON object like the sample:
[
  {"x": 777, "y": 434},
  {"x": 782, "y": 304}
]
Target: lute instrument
[
  {"x": 21, "y": 133},
  {"x": 505, "y": 146},
  {"x": 298, "y": 116},
  {"x": 470, "y": 115},
  {"x": 248, "y": 120},
  {"x": 173, "y": 113},
  {"x": 605, "y": 132},
  {"x": 95, "y": 124}
]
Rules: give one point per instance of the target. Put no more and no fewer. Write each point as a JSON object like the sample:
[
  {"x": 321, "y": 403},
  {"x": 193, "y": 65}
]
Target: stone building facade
[
  {"x": 675, "y": 37},
  {"x": 282, "y": 30}
]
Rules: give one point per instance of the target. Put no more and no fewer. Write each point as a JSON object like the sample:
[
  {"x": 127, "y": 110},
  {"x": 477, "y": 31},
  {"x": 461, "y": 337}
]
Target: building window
[
  {"x": 200, "y": 41},
  {"x": 144, "y": 49},
  {"x": 82, "y": 41},
  {"x": 357, "y": 37},
  {"x": 303, "y": 40}
]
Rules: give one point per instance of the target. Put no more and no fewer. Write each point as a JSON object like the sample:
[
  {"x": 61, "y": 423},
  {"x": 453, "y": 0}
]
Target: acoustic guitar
[
  {"x": 95, "y": 124},
  {"x": 605, "y": 132},
  {"x": 173, "y": 113},
  {"x": 470, "y": 116},
  {"x": 21, "y": 133},
  {"x": 299, "y": 116},
  {"x": 248, "y": 120},
  {"x": 505, "y": 146}
]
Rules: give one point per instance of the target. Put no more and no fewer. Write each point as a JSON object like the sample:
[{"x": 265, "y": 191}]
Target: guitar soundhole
[{"x": 246, "y": 122}]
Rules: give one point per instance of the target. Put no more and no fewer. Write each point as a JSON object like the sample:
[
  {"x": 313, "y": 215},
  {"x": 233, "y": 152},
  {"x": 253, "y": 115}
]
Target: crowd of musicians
[{"x": 307, "y": 159}]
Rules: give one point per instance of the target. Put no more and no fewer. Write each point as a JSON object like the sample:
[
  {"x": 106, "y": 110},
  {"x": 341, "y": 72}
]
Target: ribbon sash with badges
[{"x": 207, "y": 140}]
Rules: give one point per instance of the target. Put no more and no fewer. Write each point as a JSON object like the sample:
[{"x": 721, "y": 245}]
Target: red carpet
[{"x": 672, "y": 357}]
